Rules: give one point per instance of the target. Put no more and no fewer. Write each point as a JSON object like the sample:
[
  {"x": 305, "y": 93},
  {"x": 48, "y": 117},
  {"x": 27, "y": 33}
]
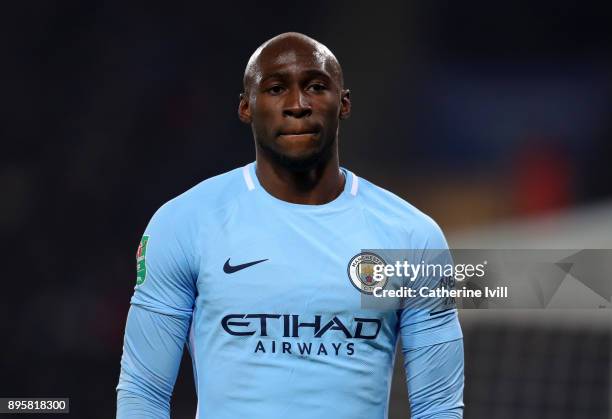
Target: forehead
[{"x": 293, "y": 57}]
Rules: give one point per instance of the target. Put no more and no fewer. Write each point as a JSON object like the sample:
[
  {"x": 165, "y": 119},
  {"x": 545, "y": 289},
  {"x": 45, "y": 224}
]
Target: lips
[{"x": 297, "y": 132}]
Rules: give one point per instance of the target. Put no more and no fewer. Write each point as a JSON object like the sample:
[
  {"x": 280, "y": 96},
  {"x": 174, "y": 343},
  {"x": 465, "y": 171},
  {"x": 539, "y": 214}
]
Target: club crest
[{"x": 361, "y": 272}]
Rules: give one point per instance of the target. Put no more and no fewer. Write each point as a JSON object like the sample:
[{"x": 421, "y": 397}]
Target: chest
[{"x": 285, "y": 262}]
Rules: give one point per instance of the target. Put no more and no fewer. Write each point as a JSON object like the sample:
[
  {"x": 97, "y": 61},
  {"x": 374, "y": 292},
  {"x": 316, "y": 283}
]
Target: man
[{"x": 250, "y": 268}]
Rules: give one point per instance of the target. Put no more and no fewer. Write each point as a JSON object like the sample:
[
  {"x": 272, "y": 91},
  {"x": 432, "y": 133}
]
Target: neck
[{"x": 315, "y": 186}]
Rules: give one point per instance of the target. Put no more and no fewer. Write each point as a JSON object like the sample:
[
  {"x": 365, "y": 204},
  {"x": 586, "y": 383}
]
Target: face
[{"x": 294, "y": 102}]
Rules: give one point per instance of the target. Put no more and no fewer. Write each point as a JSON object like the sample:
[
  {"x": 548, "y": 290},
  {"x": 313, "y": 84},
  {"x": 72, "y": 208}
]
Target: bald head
[
  {"x": 294, "y": 100},
  {"x": 286, "y": 48}
]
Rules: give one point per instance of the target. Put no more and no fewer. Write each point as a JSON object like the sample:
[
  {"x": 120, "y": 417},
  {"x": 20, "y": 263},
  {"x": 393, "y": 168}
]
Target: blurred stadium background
[{"x": 494, "y": 118}]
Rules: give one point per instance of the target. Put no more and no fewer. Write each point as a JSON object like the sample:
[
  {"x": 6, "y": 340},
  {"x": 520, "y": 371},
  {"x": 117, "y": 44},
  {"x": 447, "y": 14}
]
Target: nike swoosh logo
[{"x": 229, "y": 269}]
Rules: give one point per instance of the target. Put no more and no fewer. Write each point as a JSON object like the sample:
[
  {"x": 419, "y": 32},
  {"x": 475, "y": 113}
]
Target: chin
[
  {"x": 299, "y": 159},
  {"x": 300, "y": 162}
]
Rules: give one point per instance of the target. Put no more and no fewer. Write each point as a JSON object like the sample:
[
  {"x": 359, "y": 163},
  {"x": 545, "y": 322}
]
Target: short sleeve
[
  {"x": 431, "y": 320},
  {"x": 165, "y": 263}
]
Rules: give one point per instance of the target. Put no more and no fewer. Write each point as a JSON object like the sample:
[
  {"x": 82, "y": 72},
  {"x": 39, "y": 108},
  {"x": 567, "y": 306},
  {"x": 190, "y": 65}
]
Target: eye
[
  {"x": 317, "y": 87},
  {"x": 276, "y": 89}
]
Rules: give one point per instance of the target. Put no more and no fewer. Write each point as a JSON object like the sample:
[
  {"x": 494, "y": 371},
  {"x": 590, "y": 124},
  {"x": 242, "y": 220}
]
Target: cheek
[
  {"x": 330, "y": 113},
  {"x": 262, "y": 113},
  {"x": 328, "y": 105},
  {"x": 265, "y": 122},
  {"x": 265, "y": 109}
]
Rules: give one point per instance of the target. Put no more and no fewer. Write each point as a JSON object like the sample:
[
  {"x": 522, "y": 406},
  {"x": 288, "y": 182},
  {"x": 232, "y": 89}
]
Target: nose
[{"x": 296, "y": 105}]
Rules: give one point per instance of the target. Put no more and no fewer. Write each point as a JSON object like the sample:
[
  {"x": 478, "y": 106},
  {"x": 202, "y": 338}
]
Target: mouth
[{"x": 298, "y": 134}]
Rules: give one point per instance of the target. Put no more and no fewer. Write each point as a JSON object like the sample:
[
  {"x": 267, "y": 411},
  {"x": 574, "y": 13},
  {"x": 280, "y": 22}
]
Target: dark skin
[{"x": 294, "y": 100}]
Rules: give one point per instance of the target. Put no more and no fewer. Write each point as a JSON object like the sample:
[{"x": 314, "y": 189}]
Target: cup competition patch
[{"x": 141, "y": 268}]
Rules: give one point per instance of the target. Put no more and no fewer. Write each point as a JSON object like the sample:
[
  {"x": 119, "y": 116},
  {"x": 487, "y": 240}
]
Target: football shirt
[{"x": 263, "y": 293}]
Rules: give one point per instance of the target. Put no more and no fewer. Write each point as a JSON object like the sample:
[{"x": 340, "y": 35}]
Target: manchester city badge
[{"x": 361, "y": 272}]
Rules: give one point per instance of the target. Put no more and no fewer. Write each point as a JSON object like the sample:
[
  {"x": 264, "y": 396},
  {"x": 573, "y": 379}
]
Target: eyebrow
[{"x": 311, "y": 73}]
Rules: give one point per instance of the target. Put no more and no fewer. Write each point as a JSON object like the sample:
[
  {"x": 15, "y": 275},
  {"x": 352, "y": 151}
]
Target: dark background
[{"x": 476, "y": 112}]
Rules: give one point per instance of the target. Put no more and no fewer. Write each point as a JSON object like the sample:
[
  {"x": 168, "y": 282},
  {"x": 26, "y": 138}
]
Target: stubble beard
[{"x": 313, "y": 160}]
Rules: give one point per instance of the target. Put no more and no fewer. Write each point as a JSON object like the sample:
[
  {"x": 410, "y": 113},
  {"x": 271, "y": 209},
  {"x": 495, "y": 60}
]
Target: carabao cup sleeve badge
[{"x": 141, "y": 267}]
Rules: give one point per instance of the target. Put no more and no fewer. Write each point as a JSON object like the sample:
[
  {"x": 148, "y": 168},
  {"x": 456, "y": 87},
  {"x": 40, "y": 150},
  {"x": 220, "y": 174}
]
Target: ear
[
  {"x": 345, "y": 104},
  {"x": 244, "y": 109}
]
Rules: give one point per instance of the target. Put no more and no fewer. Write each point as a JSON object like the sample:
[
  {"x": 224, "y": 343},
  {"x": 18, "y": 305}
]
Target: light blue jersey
[{"x": 261, "y": 291}]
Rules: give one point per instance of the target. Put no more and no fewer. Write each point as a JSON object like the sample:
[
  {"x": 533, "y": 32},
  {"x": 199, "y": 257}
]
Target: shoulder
[
  {"x": 388, "y": 208},
  {"x": 213, "y": 195},
  {"x": 210, "y": 194}
]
